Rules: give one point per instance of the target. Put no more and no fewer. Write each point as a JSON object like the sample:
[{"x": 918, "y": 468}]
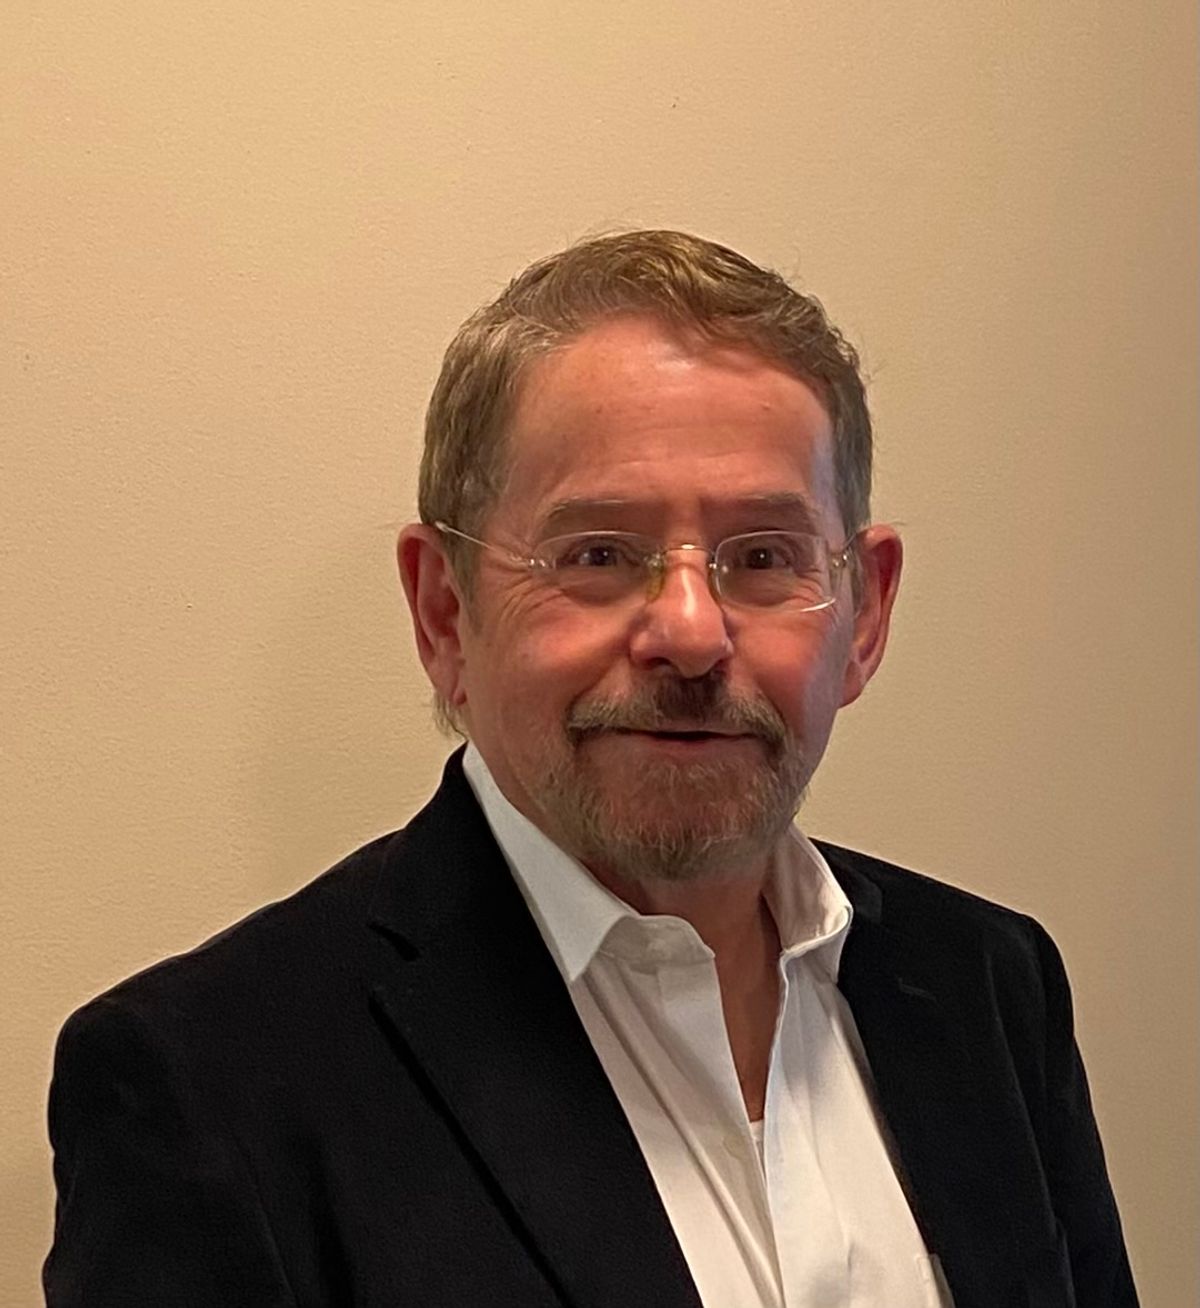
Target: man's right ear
[{"x": 437, "y": 609}]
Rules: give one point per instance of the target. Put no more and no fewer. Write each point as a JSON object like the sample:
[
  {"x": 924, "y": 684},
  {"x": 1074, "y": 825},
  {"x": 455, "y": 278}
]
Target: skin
[{"x": 689, "y": 443}]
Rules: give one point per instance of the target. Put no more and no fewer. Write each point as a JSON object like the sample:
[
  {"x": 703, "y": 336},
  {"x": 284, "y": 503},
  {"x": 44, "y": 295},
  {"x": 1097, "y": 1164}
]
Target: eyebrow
[
  {"x": 794, "y": 506},
  {"x": 581, "y": 508}
]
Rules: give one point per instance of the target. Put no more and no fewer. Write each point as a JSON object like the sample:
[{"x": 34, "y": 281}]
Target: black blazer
[{"x": 377, "y": 1092}]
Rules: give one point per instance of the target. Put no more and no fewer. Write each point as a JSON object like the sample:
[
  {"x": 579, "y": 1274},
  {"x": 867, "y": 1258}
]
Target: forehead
[{"x": 633, "y": 415}]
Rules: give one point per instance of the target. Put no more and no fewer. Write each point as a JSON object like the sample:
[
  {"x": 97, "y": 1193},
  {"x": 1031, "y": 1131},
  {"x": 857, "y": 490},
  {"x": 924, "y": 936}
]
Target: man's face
[{"x": 665, "y": 737}]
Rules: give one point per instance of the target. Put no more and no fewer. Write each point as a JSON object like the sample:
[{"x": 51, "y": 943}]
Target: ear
[
  {"x": 880, "y": 556},
  {"x": 436, "y": 606}
]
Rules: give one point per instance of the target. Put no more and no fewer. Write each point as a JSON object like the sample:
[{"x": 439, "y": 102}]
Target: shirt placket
[
  {"x": 719, "y": 1138},
  {"x": 813, "y": 1253}
]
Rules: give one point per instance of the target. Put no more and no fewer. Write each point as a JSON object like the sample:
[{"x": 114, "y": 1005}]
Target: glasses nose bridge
[{"x": 658, "y": 567}]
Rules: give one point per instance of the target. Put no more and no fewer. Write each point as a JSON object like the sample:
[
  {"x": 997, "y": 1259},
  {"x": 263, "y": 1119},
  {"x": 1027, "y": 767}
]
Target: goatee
[{"x": 681, "y": 821}]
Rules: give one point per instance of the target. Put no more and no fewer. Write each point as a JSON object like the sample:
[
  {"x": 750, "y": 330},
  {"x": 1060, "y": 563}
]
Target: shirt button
[{"x": 733, "y": 1143}]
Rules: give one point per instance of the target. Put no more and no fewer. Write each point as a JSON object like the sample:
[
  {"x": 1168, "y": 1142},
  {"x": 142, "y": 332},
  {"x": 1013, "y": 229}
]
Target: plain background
[{"x": 236, "y": 237}]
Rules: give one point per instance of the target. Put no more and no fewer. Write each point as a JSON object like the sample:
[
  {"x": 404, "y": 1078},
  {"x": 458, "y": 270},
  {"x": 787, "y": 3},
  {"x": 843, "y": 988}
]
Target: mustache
[{"x": 691, "y": 704}]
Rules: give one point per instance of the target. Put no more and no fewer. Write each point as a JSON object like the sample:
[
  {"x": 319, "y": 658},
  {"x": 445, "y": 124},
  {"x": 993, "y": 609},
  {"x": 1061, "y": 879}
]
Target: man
[{"x": 601, "y": 1027}]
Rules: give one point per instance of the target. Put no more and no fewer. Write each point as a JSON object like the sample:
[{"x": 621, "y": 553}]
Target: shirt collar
[{"x": 577, "y": 916}]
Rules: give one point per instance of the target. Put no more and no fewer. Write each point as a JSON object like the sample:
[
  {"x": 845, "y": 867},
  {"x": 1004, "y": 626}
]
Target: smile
[
  {"x": 694, "y": 738},
  {"x": 689, "y": 735},
  {"x": 681, "y": 733}
]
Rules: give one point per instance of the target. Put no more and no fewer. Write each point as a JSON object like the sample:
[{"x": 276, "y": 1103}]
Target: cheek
[
  {"x": 802, "y": 679},
  {"x": 570, "y": 652},
  {"x": 534, "y": 668}
]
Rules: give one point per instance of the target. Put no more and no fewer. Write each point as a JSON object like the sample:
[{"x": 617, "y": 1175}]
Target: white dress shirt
[{"x": 801, "y": 1210}]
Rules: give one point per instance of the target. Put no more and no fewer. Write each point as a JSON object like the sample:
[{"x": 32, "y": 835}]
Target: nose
[{"x": 683, "y": 624}]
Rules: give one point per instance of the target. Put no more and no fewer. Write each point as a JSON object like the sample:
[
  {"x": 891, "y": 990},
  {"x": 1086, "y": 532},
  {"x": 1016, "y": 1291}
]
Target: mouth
[
  {"x": 683, "y": 735},
  {"x": 689, "y": 735}
]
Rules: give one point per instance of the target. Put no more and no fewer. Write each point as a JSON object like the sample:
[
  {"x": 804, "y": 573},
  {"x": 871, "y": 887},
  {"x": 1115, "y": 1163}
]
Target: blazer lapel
[
  {"x": 478, "y": 1006},
  {"x": 946, "y": 1097}
]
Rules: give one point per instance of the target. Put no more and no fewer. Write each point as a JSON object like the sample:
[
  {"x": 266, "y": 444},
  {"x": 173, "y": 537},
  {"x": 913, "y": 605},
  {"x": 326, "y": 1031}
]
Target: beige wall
[{"x": 236, "y": 237}]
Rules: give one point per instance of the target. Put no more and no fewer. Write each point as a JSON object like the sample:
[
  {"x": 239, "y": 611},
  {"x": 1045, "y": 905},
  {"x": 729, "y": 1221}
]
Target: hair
[{"x": 689, "y": 284}]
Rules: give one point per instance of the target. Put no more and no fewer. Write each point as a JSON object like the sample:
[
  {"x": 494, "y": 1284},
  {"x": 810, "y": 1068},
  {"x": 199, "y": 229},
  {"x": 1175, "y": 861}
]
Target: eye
[
  {"x": 593, "y": 552},
  {"x": 759, "y": 558},
  {"x": 770, "y": 552}
]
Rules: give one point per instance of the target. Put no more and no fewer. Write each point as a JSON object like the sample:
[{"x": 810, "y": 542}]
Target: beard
[{"x": 682, "y": 821}]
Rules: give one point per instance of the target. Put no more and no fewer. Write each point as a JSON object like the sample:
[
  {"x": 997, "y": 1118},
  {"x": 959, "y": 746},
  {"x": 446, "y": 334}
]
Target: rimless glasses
[{"x": 757, "y": 569}]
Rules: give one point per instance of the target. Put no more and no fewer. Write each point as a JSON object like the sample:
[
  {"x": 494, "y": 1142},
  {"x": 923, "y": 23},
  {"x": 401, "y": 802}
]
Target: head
[
  {"x": 694, "y": 286},
  {"x": 659, "y": 384}
]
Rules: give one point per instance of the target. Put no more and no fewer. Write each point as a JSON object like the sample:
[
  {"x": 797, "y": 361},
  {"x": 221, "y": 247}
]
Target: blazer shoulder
[
  {"x": 307, "y": 951},
  {"x": 913, "y": 903},
  {"x": 287, "y": 942}
]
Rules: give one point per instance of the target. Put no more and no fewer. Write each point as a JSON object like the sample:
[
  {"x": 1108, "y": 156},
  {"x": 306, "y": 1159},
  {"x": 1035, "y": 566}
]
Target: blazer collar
[{"x": 479, "y": 1008}]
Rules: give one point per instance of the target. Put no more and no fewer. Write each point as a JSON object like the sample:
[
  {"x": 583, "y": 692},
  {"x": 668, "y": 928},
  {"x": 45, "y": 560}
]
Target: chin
[
  {"x": 680, "y": 823},
  {"x": 679, "y": 857}
]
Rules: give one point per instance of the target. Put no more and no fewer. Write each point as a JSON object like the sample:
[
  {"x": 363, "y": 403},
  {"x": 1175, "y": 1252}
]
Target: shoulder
[
  {"x": 907, "y": 898},
  {"x": 288, "y": 951},
  {"x": 296, "y": 958},
  {"x": 946, "y": 928}
]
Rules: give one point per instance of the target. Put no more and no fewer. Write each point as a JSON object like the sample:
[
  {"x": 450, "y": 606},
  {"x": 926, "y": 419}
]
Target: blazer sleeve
[
  {"x": 155, "y": 1203},
  {"x": 1073, "y": 1156}
]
